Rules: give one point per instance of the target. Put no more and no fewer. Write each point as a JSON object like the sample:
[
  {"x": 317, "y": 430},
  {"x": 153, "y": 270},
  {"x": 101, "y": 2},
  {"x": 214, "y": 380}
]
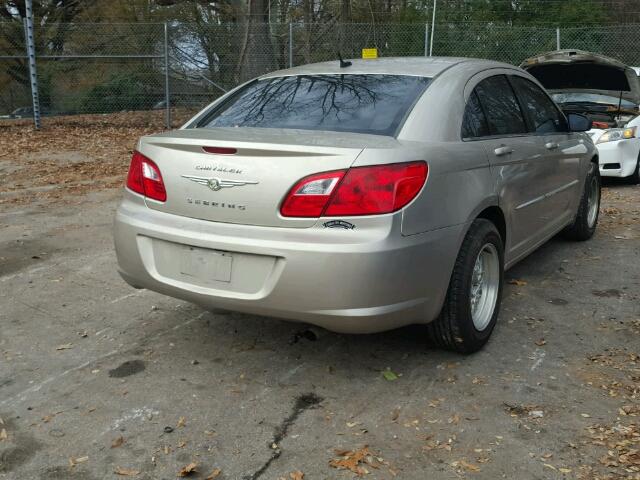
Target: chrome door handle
[
  {"x": 504, "y": 150},
  {"x": 551, "y": 145}
]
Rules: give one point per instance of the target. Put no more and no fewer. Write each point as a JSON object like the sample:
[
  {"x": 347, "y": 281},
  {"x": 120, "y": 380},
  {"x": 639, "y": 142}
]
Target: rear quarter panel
[{"x": 458, "y": 188}]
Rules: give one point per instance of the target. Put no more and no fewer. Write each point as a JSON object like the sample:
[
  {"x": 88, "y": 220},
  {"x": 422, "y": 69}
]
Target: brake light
[
  {"x": 370, "y": 190},
  {"x": 145, "y": 178},
  {"x": 220, "y": 150}
]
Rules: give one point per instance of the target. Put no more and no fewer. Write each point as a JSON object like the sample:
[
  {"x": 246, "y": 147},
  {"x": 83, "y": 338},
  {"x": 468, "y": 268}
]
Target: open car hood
[{"x": 579, "y": 71}]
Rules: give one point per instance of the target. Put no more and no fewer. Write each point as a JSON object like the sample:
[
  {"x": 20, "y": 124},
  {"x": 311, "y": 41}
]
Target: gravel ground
[{"x": 98, "y": 380}]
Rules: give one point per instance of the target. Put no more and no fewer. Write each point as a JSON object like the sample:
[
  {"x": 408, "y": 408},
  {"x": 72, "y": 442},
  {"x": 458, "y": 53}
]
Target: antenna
[{"x": 343, "y": 64}]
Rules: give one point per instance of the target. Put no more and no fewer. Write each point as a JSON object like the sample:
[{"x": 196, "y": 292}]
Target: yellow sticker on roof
[{"x": 369, "y": 53}]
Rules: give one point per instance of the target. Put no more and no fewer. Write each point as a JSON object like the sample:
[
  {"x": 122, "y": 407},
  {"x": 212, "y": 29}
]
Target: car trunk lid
[{"x": 248, "y": 185}]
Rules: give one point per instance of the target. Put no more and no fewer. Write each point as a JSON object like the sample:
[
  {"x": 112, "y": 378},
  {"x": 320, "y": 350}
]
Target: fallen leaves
[
  {"x": 214, "y": 474},
  {"x": 73, "y": 461},
  {"x": 466, "y": 465},
  {"x": 632, "y": 410},
  {"x": 518, "y": 283},
  {"x": 3, "y": 435},
  {"x": 354, "y": 460},
  {"x": 117, "y": 442},
  {"x": 188, "y": 470},
  {"x": 622, "y": 443},
  {"x": 389, "y": 375},
  {"x": 297, "y": 475},
  {"x": 541, "y": 342},
  {"x": 181, "y": 422},
  {"x": 72, "y": 155},
  {"x": 126, "y": 472},
  {"x": 65, "y": 346},
  {"x": 524, "y": 410}
]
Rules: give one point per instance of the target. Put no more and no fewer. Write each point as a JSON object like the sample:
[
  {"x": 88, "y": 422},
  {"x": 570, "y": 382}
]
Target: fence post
[
  {"x": 167, "y": 98},
  {"x": 31, "y": 58},
  {"x": 426, "y": 39},
  {"x": 558, "y": 38},
  {"x": 290, "y": 45},
  {"x": 433, "y": 26}
]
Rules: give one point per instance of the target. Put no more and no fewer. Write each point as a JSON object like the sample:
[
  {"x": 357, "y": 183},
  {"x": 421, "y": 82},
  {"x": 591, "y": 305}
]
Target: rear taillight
[
  {"x": 145, "y": 178},
  {"x": 368, "y": 190}
]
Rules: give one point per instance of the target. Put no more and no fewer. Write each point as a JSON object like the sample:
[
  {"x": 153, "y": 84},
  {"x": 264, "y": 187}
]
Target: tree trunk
[{"x": 257, "y": 55}]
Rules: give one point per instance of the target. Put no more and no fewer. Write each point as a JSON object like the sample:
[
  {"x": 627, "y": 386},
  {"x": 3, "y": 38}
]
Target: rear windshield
[{"x": 376, "y": 104}]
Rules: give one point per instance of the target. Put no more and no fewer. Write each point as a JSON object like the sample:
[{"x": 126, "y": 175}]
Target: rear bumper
[
  {"x": 356, "y": 281},
  {"x": 618, "y": 159}
]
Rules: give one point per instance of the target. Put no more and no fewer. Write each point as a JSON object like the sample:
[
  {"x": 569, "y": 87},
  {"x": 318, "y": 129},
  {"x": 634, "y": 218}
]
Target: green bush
[{"x": 121, "y": 91}]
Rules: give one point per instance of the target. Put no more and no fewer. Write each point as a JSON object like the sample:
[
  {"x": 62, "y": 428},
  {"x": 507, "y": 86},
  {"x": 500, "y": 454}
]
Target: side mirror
[{"x": 579, "y": 123}]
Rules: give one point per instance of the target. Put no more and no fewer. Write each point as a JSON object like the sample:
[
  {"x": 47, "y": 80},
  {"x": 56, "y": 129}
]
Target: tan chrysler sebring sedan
[{"x": 360, "y": 196}]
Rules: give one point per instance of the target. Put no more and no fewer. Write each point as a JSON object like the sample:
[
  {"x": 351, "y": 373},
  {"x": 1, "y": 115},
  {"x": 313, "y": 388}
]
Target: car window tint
[
  {"x": 544, "y": 115},
  {"x": 375, "y": 104},
  {"x": 474, "y": 123},
  {"x": 500, "y": 106}
]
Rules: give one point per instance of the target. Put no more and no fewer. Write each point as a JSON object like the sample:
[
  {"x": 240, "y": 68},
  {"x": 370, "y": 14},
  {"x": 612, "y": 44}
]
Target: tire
[
  {"x": 586, "y": 221},
  {"x": 634, "y": 178},
  {"x": 455, "y": 328}
]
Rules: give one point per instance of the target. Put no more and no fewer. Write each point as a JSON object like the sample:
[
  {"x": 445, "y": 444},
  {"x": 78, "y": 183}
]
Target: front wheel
[
  {"x": 634, "y": 178},
  {"x": 584, "y": 225},
  {"x": 472, "y": 303}
]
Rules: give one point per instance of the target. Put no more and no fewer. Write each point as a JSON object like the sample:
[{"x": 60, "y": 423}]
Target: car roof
[{"x": 418, "y": 66}]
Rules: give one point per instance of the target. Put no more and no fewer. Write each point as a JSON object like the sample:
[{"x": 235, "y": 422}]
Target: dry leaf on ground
[
  {"x": 188, "y": 469},
  {"x": 214, "y": 474},
  {"x": 466, "y": 465},
  {"x": 73, "y": 461},
  {"x": 181, "y": 422},
  {"x": 117, "y": 442},
  {"x": 3, "y": 435},
  {"x": 354, "y": 460},
  {"x": 519, "y": 283},
  {"x": 297, "y": 475},
  {"x": 126, "y": 472}
]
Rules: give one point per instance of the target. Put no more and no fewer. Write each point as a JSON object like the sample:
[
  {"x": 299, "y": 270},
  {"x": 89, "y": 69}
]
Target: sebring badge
[{"x": 216, "y": 184}]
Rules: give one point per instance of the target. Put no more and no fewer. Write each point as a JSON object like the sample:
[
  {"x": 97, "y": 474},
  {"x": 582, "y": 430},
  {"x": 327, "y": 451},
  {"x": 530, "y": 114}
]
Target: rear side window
[
  {"x": 544, "y": 116},
  {"x": 474, "y": 123},
  {"x": 376, "y": 104},
  {"x": 500, "y": 106}
]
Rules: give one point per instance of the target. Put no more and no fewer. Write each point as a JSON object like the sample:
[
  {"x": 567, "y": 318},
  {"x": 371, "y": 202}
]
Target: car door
[
  {"x": 515, "y": 159},
  {"x": 561, "y": 152}
]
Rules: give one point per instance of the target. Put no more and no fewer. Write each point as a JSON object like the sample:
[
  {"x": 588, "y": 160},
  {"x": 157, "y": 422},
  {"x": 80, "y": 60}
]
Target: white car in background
[{"x": 607, "y": 92}]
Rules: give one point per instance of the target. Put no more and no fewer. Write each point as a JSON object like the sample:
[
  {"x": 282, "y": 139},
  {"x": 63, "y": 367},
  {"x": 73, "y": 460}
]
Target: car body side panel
[
  {"x": 565, "y": 161},
  {"x": 459, "y": 181}
]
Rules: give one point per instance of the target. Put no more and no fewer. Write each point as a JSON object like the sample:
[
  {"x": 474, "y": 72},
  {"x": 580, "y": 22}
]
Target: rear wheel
[
  {"x": 472, "y": 303},
  {"x": 584, "y": 225}
]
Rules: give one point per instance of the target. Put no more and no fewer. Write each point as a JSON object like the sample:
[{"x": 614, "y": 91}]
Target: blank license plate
[{"x": 206, "y": 265}]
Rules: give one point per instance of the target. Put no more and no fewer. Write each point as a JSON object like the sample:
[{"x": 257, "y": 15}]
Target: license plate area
[{"x": 206, "y": 265}]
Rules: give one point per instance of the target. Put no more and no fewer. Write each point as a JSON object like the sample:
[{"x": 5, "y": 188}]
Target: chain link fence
[{"x": 164, "y": 68}]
